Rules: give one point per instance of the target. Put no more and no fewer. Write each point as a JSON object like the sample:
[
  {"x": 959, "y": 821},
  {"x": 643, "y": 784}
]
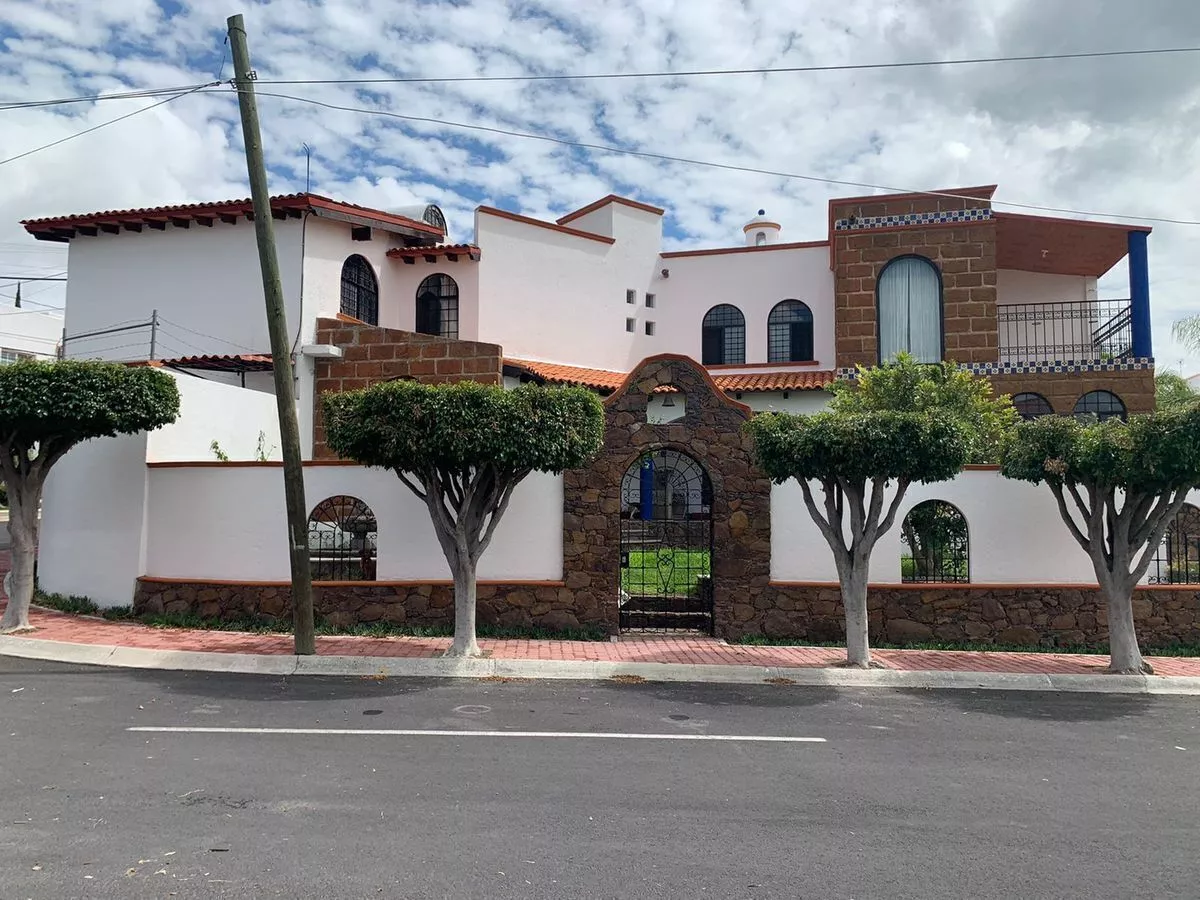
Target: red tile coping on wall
[
  {"x": 719, "y": 251},
  {"x": 442, "y": 582},
  {"x": 539, "y": 223},
  {"x": 604, "y": 201},
  {"x": 470, "y": 251},
  {"x": 975, "y": 585}
]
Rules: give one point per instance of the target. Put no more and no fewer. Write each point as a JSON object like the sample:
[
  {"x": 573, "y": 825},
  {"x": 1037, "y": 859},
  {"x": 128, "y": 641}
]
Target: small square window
[
  {"x": 651, "y": 301},
  {"x": 631, "y": 325},
  {"x": 631, "y": 296},
  {"x": 650, "y": 328}
]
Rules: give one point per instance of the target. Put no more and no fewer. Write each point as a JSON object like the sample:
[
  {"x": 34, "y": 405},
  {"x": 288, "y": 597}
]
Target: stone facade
[
  {"x": 1050, "y": 615},
  {"x": 548, "y": 605},
  {"x": 1135, "y": 387},
  {"x": 372, "y": 354},
  {"x": 964, "y": 252},
  {"x": 710, "y": 432}
]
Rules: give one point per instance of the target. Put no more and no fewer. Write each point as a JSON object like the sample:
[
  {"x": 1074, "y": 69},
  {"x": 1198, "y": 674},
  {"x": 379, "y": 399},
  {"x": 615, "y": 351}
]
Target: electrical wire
[
  {"x": 123, "y": 95},
  {"x": 175, "y": 337},
  {"x": 730, "y": 167},
  {"x": 211, "y": 337},
  {"x": 128, "y": 115},
  {"x": 765, "y": 70}
]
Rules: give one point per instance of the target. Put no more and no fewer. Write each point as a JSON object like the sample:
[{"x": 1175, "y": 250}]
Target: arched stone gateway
[{"x": 732, "y": 501}]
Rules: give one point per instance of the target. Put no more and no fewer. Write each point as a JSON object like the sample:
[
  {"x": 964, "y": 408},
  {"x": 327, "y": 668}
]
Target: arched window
[
  {"x": 342, "y": 538},
  {"x": 1101, "y": 404},
  {"x": 1177, "y": 559},
  {"x": 1031, "y": 405},
  {"x": 909, "y": 294},
  {"x": 760, "y": 239},
  {"x": 437, "y": 306},
  {"x": 360, "y": 290},
  {"x": 934, "y": 544},
  {"x": 790, "y": 332},
  {"x": 723, "y": 336}
]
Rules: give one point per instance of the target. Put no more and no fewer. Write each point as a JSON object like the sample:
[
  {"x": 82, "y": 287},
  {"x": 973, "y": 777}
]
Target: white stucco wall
[
  {"x": 30, "y": 331},
  {"x": 93, "y": 536},
  {"x": 204, "y": 282},
  {"x": 1015, "y": 532},
  {"x": 209, "y": 411},
  {"x": 228, "y": 523},
  {"x": 557, "y": 297},
  {"x": 753, "y": 281},
  {"x": 1013, "y": 286},
  {"x": 799, "y": 402}
]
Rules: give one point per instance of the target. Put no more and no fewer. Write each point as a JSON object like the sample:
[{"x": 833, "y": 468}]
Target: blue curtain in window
[{"x": 910, "y": 310}]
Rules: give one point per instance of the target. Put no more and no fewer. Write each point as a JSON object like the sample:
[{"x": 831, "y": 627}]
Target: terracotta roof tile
[
  {"x": 242, "y": 362},
  {"x": 607, "y": 380},
  {"x": 413, "y": 253}
]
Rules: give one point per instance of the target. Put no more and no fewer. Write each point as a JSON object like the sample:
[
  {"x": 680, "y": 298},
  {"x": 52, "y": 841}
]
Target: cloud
[{"x": 1107, "y": 135}]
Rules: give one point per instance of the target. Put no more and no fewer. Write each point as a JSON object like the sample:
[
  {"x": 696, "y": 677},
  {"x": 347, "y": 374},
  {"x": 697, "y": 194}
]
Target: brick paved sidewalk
[{"x": 55, "y": 626}]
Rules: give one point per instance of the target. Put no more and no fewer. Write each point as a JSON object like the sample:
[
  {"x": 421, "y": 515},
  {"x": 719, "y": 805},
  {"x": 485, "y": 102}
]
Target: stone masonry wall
[
  {"x": 1066, "y": 616},
  {"x": 1062, "y": 389},
  {"x": 964, "y": 252},
  {"x": 546, "y": 605},
  {"x": 372, "y": 354}
]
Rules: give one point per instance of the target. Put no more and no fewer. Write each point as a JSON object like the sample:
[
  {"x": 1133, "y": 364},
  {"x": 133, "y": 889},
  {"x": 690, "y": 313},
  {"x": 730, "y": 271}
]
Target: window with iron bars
[
  {"x": 723, "y": 336},
  {"x": 1176, "y": 560},
  {"x": 437, "y": 306},
  {"x": 935, "y": 544},
  {"x": 360, "y": 290}
]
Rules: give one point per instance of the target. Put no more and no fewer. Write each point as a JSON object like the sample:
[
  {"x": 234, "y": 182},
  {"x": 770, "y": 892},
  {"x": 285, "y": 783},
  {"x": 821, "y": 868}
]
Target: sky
[{"x": 1115, "y": 136}]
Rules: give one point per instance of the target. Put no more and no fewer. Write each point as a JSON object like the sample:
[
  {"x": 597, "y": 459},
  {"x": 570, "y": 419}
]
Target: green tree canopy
[
  {"x": 1118, "y": 487},
  {"x": 908, "y": 386},
  {"x": 1172, "y": 390},
  {"x": 463, "y": 448},
  {"x": 854, "y": 457},
  {"x": 46, "y": 408}
]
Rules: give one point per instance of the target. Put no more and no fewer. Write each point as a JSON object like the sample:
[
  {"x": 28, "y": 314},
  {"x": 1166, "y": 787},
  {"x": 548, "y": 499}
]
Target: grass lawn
[{"x": 665, "y": 572}]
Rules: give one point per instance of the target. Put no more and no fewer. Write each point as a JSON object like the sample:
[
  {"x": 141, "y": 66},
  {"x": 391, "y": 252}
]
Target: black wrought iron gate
[{"x": 666, "y": 545}]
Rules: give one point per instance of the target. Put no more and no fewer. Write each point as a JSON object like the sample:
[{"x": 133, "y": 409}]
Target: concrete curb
[{"x": 393, "y": 667}]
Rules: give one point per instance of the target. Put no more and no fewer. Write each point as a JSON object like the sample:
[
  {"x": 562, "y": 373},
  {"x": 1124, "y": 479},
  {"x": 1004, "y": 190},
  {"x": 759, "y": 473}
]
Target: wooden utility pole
[{"x": 281, "y": 354}]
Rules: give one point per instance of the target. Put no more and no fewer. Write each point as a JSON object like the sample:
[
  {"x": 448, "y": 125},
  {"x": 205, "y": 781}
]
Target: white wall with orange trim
[
  {"x": 210, "y": 411},
  {"x": 1015, "y": 531}
]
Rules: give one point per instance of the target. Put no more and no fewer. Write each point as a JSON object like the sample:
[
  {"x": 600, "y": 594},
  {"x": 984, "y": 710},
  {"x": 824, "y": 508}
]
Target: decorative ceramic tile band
[
  {"x": 1038, "y": 368},
  {"x": 946, "y": 217}
]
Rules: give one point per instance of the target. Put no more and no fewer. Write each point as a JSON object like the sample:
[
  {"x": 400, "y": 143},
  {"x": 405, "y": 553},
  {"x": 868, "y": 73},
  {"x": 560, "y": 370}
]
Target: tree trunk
[
  {"x": 24, "y": 501},
  {"x": 464, "y": 643},
  {"x": 1125, "y": 657},
  {"x": 854, "y": 599}
]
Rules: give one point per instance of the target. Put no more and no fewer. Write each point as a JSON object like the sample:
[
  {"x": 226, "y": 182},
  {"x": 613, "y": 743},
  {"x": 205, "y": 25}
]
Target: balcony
[{"x": 1079, "y": 331}]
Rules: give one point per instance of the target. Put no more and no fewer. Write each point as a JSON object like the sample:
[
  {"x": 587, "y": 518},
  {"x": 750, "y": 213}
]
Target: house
[
  {"x": 584, "y": 298},
  {"x": 684, "y": 344},
  {"x": 29, "y": 334}
]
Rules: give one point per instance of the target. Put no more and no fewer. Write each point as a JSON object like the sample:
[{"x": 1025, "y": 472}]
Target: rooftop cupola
[{"x": 760, "y": 230}]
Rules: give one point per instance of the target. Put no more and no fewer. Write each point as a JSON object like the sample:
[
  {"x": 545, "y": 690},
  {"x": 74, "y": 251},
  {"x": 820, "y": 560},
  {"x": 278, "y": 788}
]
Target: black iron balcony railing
[{"x": 1077, "y": 331}]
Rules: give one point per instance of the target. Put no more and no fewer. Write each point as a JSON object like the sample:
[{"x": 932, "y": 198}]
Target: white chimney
[{"x": 760, "y": 230}]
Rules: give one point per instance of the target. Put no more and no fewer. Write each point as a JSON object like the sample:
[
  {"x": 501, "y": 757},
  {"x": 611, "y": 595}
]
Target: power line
[
  {"x": 124, "y": 95},
  {"x": 128, "y": 115},
  {"x": 771, "y": 70},
  {"x": 663, "y": 157},
  {"x": 211, "y": 337}
]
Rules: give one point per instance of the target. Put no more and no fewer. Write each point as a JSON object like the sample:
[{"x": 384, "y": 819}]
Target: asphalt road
[{"x": 912, "y": 795}]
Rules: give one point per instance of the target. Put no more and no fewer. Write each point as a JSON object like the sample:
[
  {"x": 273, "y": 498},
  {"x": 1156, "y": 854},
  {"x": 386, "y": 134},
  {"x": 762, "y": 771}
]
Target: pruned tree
[
  {"x": 46, "y": 408},
  {"x": 854, "y": 458},
  {"x": 463, "y": 449},
  {"x": 1118, "y": 487},
  {"x": 906, "y": 385}
]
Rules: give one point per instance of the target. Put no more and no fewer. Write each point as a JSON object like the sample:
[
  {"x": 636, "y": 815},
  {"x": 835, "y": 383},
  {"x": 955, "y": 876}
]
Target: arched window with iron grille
[
  {"x": 723, "y": 336},
  {"x": 360, "y": 290},
  {"x": 1177, "y": 558},
  {"x": 342, "y": 540},
  {"x": 935, "y": 544},
  {"x": 790, "y": 332},
  {"x": 437, "y": 306},
  {"x": 1030, "y": 405},
  {"x": 1101, "y": 404}
]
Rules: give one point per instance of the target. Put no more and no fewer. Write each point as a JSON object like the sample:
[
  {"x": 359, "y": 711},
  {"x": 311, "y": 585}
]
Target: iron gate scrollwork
[
  {"x": 342, "y": 540},
  {"x": 666, "y": 545}
]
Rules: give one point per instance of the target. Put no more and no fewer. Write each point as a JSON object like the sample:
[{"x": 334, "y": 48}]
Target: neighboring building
[
  {"x": 29, "y": 334},
  {"x": 583, "y": 299}
]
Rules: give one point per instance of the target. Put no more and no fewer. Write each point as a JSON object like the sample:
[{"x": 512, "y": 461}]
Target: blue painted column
[
  {"x": 1139, "y": 295},
  {"x": 647, "y": 490}
]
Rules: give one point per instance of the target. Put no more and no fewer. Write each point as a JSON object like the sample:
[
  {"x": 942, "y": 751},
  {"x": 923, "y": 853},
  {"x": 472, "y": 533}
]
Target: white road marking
[{"x": 420, "y": 732}]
